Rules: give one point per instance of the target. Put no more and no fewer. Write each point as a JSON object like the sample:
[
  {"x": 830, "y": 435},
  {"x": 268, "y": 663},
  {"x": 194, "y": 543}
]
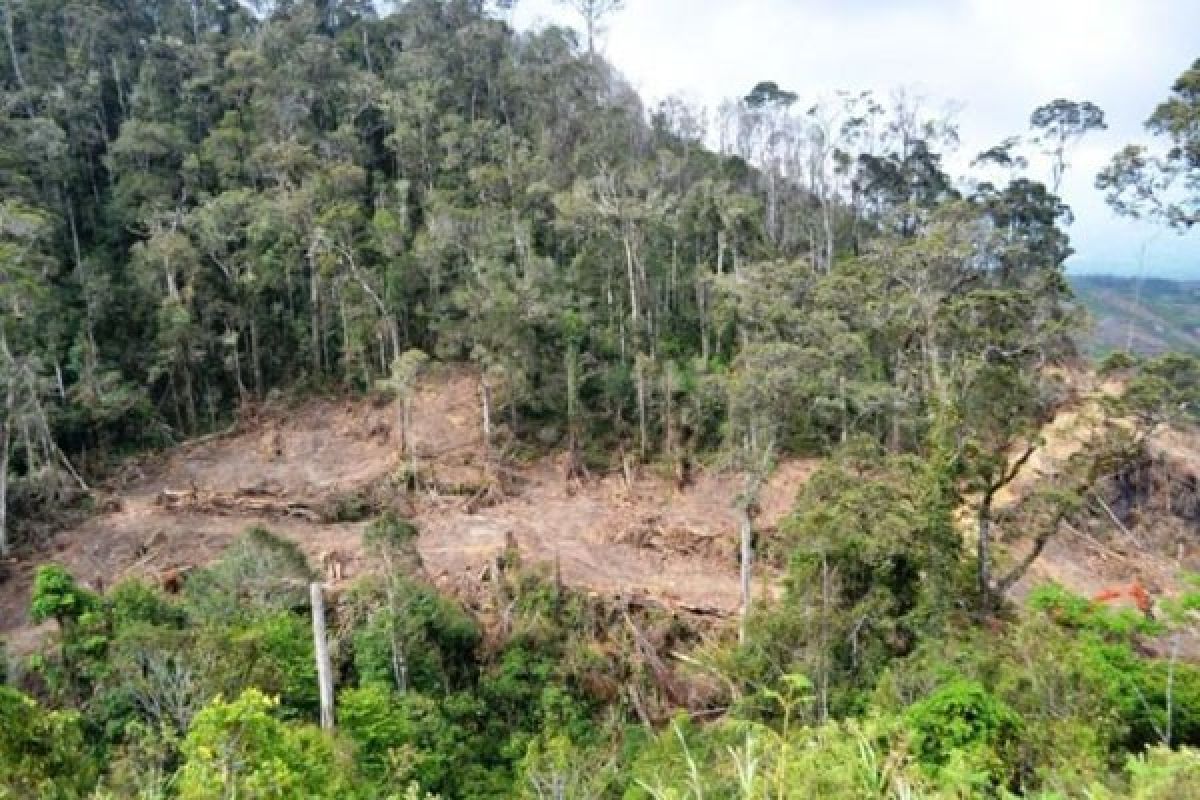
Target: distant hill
[{"x": 1160, "y": 315}]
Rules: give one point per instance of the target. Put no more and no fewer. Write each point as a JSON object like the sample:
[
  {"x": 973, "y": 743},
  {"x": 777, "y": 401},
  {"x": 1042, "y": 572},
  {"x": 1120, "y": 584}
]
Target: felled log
[{"x": 252, "y": 502}]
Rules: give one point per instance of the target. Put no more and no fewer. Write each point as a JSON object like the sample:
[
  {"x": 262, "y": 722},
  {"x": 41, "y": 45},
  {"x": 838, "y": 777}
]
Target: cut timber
[{"x": 244, "y": 501}]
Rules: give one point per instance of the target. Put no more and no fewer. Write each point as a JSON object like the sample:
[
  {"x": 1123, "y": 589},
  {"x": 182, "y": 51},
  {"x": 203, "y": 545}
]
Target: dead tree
[{"x": 321, "y": 648}]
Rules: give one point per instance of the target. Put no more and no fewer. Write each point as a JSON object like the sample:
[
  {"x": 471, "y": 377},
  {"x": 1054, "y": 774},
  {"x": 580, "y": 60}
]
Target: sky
[{"x": 990, "y": 61}]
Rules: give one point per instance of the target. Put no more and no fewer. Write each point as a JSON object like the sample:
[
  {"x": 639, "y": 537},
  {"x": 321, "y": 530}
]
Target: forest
[{"x": 209, "y": 208}]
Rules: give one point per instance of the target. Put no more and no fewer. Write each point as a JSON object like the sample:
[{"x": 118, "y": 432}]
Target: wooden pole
[{"x": 321, "y": 647}]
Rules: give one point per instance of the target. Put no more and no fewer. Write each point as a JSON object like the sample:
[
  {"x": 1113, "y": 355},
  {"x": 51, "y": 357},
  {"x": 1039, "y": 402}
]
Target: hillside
[
  {"x": 395, "y": 406},
  {"x": 300, "y": 472},
  {"x": 1155, "y": 315}
]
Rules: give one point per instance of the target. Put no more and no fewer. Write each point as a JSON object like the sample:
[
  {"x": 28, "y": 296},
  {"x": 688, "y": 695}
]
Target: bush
[
  {"x": 240, "y": 749},
  {"x": 964, "y": 724},
  {"x": 259, "y": 574},
  {"x": 42, "y": 753}
]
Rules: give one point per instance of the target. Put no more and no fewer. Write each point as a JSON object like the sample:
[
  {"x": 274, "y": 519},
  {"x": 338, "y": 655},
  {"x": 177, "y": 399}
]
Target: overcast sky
[{"x": 994, "y": 60}]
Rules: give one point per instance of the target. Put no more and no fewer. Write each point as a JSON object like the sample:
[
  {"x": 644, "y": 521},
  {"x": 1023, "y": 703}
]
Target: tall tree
[
  {"x": 594, "y": 12},
  {"x": 1061, "y": 124},
  {"x": 1163, "y": 185}
]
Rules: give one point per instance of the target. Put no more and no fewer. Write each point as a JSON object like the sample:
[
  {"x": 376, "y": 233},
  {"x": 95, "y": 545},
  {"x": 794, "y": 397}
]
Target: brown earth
[
  {"x": 1148, "y": 542},
  {"x": 287, "y": 468}
]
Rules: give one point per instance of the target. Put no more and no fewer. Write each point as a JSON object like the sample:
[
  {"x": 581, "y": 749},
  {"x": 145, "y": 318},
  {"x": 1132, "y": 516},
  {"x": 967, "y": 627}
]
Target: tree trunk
[
  {"x": 314, "y": 300},
  {"x": 399, "y": 657},
  {"x": 321, "y": 649},
  {"x": 641, "y": 400},
  {"x": 747, "y": 556},
  {"x": 823, "y": 679},
  {"x": 389, "y": 321},
  {"x": 243, "y": 393},
  {"x": 256, "y": 356},
  {"x": 485, "y": 395},
  {"x": 984, "y": 552},
  {"x": 81, "y": 272},
  {"x": 10, "y": 399},
  {"x": 367, "y": 49},
  {"x": 189, "y": 398},
  {"x": 16, "y": 62},
  {"x": 668, "y": 423},
  {"x": 631, "y": 276}
]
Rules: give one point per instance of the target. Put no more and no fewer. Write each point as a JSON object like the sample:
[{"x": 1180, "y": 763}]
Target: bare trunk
[
  {"x": 16, "y": 62},
  {"x": 321, "y": 649},
  {"x": 172, "y": 286},
  {"x": 399, "y": 656},
  {"x": 256, "y": 357},
  {"x": 367, "y": 49},
  {"x": 392, "y": 328},
  {"x": 485, "y": 394},
  {"x": 243, "y": 393},
  {"x": 408, "y": 445},
  {"x": 984, "y": 553},
  {"x": 823, "y": 681},
  {"x": 989, "y": 592},
  {"x": 641, "y": 400},
  {"x": 827, "y": 219},
  {"x": 10, "y": 399},
  {"x": 747, "y": 556},
  {"x": 705, "y": 347},
  {"x": 189, "y": 398},
  {"x": 845, "y": 409},
  {"x": 631, "y": 274},
  {"x": 195, "y": 8},
  {"x": 314, "y": 300},
  {"x": 668, "y": 424},
  {"x": 81, "y": 272},
  {"x": 119, "y": 85}
]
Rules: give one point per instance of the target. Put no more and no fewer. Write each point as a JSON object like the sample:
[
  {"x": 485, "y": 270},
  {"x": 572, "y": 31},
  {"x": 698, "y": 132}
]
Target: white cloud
[{"x": 999, "y": 59}]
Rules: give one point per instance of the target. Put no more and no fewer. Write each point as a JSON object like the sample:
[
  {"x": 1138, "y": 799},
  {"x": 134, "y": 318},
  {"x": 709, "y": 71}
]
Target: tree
[
  {"x": 1061, "y": 124},
  {"x": 594, "y": 12},
  {"x": 42, "y": 753},
  {"x": 239, "y": 749},
  {"x": 1140, "y": 182},
  {"x": 402, "y": 381}
]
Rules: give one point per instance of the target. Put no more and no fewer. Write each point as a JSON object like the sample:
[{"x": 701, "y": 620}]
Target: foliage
[
  {"x": 874, "y": 566},
  {"x": 962, "y": 720},
  {"x": 57, "y": 596},
  {"x": 42, "y": 753},
  {"x": 240, "y": 749},
  {"x": 270, "y": 572}
]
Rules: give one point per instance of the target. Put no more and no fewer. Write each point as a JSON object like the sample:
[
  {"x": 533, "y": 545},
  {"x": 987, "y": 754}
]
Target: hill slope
[
  {"x": 1157, "y": 316},
  {"x": 295, "y": 471}
]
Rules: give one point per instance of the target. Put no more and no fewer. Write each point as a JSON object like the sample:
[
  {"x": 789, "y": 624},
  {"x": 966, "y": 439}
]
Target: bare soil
[
  {"x": 183, "y": 509},
  {"x": 286, "y": 468},
  {"x": 1151, "y": 540}
]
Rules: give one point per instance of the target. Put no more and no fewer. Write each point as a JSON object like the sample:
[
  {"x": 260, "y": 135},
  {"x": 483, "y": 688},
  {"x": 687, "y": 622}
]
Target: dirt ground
[
  {"x": 1152, "y": 546},
  {"x": 677, "y": 546}
]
